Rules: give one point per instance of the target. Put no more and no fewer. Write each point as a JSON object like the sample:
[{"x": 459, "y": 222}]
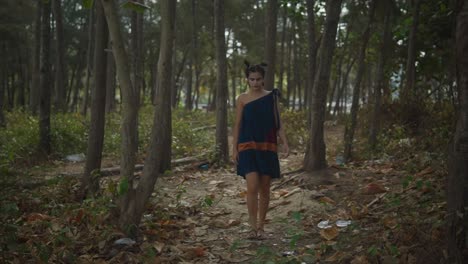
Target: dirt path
[{"x": 198, "y": 214}]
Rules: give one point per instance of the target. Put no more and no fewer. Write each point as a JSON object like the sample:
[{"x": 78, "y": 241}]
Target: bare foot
[{"x": 261, "y": 235}]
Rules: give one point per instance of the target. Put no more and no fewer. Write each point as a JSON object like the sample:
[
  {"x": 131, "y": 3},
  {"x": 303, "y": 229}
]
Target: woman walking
[{"x": 255, "y": 146}]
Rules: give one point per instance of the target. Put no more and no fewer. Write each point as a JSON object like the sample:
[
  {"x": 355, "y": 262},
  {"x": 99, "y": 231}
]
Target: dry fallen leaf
[
  {"x": 373, "y": 188},
  {"x": 328, "y": 200},
  {"x": 329, "y": 233},
  {"x": 335, "y": 257},
  {"x": 390, "y": 222},
  {"x": 37, "y": 217},
  {"x": 360, "y": 260},
  {"x": 426, "y": 171}
]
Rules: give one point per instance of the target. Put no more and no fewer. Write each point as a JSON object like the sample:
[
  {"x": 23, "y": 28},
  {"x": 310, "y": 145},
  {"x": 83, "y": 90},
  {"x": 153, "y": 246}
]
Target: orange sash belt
[{"x": 263, "y": 146}]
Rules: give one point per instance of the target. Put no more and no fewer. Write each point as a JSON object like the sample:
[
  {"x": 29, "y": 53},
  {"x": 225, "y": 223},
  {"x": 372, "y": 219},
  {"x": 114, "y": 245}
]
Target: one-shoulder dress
[{"x": 257, "y": 142}]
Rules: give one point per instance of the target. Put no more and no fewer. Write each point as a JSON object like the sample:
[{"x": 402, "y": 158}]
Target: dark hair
[{"x": 260, "y": 68}]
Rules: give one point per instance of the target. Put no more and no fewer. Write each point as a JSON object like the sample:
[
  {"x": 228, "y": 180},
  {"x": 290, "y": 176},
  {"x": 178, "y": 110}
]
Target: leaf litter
[{"x": 198, "y": 215}]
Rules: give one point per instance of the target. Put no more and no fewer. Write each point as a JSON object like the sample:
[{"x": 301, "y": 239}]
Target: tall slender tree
[
  {"x": 457, "y": 185},
  {"x": 312, "y": 51},
  {"x": 60, "y": 66},
  {"x": 90, "y": 179},
  {"x": 351, "y": 124},
  {"x": 36, "y": 72},
  {"x": 374, "y": 124},
  {"x": 221, "y": 84},
  {"x": 408, "y": 90},
  {"x": 159, "y": 154},
  {"x": 130, "y": 113},
  {"x": 315, "y": 152},
  {"x": 270, "y": 42},
  {"x": 45, "y": 83}
]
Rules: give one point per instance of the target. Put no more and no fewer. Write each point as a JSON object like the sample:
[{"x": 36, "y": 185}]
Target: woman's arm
[{"x": 235, "y": 129}]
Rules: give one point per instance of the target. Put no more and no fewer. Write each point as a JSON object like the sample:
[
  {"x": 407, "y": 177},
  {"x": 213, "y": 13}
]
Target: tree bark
[
  {"x": 60, "y": 67},
  {"x": 34, "y": 93},
  {"x": 315, "y": 153},
  {"x": 351, "y": 124},
  {"x": 312, "y": 51},
  {"x": 282, "y": 49},
  {"x": 90, "y": 179},
  {"x": 129, "y": 119},
  {"x": 374, "y": 123},
  {"x": 408, "y": 92},
  {"x": 89, "y": 66},
  {"x": 221, "y": 85},
  {"x": 110, "y": 81},
  {"x": 270, "y": 42},
  {"x": 457, "y": 184},
  {"x": 45, "y": 83},
  {"x": 159, "y": 154},
  {"x": 2, "y": 85}
]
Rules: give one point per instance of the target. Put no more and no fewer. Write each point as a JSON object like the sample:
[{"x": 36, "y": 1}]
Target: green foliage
[
  {"x": 88, "y": 4},
  {"x": 18, "y": 142},
  {"x": 69, "y": 134},
  {"x": 123, "y": 186},
  {"x": 295, "y": 123}
]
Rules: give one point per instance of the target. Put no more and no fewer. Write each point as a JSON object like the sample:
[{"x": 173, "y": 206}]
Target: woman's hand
[
  {"x": 285, "y": 150},
  {"x": 235, "y": 156}
]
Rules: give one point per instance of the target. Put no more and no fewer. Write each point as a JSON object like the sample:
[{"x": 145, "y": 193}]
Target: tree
[
  {"x": 457, "y": 185},
  {"x": 45, "y": 83},
  {"x": 374, "y": 124},
  {"x": 221, "y": 84},
  {"x": 270, "y": 42},
  {"x": 60, "y": 66},
  {"x": 409, "y": 95},
  {"x": 315, "y": 152},
  {"x": 351, "y": 124},
  {"x": 90, "y": 179},
  {"x": 130, "y": 113},
  {"x": 133, "y": 200},
  {"x": 312, "y": 50},
  {"x": 36, "y": 73}
]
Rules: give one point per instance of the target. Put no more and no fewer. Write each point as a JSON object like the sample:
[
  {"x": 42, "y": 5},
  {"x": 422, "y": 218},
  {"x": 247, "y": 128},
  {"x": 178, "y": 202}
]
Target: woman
[{"x": 255, "y": 133}]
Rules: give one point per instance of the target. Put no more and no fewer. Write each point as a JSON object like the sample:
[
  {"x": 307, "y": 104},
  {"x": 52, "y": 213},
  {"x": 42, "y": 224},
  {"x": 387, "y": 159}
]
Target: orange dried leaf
[
  {"x": 199, "y": 251},
  {"x": 325, "y": 199},
  {"x": 426, "y": 171},
  {"x": 37, "y": 217},
  {"x": 373, "y": 188},
  {"x": 329, "y": 233}
]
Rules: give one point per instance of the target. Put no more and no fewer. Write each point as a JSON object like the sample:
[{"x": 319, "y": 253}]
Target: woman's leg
[
  {"x": 253, "y": 181},
  {"x": 264, "y": 201}
]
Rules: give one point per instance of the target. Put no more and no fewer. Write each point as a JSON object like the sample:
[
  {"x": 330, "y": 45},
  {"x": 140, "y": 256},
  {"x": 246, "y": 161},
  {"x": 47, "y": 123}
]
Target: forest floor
[{"x": 367, "y": 211}]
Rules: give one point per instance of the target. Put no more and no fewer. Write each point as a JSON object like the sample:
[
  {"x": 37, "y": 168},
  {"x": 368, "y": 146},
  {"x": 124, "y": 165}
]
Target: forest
[{"x": 116, "y": 130}]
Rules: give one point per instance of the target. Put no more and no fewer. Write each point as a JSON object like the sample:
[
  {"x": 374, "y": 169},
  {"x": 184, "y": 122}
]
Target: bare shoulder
[{"x": 242, "y": 98}]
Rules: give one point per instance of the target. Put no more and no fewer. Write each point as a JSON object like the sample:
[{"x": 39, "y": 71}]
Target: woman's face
[{"x": 255, "y": 80}]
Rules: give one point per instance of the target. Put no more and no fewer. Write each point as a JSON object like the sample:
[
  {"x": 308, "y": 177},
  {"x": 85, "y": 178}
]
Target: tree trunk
[
  {"x": 457, "y": 184},
  {"x": 351, "y": 125},
  {"x": 374, "y": 123},
  {"x": 221, "y": 85},
  {"x": 159, "y": 154},
  {"x": 34, "y": 93},
  {"x": 129, "y": 119},
  {"x": 90, "y": 179},
  {"x": 2, "y": 85},
  {"x": 60, "y": 67},
  {"x": 270, "y": 42},
  {"x": 312, "y": 51},
  {"x": 45, "y": 92},
  {"x": 343, "y": 87},
  {"x": 110, "y": 81},
  {"x": 89, "y": 66},
  {"x": 408, "y": 92},
  {"x": 282, "y": 49},
  {"x": 315, "y": 153}
]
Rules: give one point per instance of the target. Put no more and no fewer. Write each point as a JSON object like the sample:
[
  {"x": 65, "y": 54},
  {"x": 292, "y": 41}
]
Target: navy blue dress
[{"x": 257, "y": 142}]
